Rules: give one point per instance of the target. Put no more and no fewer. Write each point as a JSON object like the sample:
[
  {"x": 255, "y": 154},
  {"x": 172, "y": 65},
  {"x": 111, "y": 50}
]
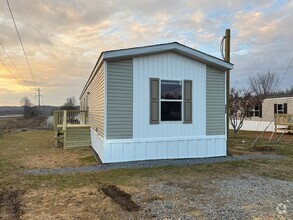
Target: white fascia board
[{"x": 192, "y": 53}]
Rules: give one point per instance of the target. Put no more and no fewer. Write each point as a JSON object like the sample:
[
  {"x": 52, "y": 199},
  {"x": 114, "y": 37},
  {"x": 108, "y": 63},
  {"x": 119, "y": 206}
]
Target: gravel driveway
[{"x": 240, "y": 197}]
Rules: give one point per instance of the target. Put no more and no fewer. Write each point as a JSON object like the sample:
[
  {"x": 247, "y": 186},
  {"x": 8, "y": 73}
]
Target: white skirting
[
  {"x": 97, "y": 143},
  {"x": 121, "y": 150}
]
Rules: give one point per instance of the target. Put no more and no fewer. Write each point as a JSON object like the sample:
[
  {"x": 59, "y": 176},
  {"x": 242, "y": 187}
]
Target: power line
[
  {"x": 14, "y": 77},
  {"x": 21, "y": 43},
  {"x": 11, "y": 61}
]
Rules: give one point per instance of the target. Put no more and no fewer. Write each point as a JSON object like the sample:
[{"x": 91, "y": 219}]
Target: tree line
[{"x": 30, "y": 110}]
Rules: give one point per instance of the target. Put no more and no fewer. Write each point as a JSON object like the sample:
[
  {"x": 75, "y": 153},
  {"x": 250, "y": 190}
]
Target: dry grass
[
  {"x": 79, "y": 196},
  {"x": 16, "y": 123},
  {"x": 35, "y": 149}
]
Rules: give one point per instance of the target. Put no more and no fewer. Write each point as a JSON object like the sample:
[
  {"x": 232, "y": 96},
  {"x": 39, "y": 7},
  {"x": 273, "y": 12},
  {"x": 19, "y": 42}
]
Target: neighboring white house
[
  {"x": 262, "y": 117},
  {"x": 157, "y": 102}
]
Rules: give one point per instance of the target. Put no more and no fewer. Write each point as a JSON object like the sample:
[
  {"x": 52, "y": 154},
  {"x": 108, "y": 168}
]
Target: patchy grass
[
  {"x": 35, "y": 149},
  {"x": 88, "y": 159},
  {"x": 242, "y": 143}
]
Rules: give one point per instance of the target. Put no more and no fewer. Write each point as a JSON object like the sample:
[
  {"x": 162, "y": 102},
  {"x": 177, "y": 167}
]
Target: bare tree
[
  {"x": 264, "y": 83},
  {"x": 241, "y": 102},
  {"x": 25, "y": 102},
  {"x": 289, "y": 90},
  {"x": 70, "y": 103},
  {"x": 28, "y": 108}
]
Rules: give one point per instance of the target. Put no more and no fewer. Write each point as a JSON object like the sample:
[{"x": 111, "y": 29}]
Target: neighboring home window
[
  {"x": 171, "y": 100},
  {"x": 280, "y": 108},
  {"x": 256, "y": 111}
]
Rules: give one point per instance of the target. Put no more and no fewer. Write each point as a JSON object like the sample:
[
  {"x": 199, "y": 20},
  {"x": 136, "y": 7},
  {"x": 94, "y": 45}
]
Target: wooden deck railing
[
  {"x": 63, "y": 118},
  {"x": 284, "y": 119}
]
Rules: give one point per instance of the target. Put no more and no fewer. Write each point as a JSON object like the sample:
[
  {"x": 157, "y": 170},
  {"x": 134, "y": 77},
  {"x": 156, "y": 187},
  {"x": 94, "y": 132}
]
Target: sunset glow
[{"x": 63, "y": 39}]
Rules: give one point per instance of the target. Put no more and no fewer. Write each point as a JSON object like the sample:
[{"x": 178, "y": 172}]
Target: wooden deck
[
  {"x": 284, "y": 120},
  {"x": 71, "y": 128}
]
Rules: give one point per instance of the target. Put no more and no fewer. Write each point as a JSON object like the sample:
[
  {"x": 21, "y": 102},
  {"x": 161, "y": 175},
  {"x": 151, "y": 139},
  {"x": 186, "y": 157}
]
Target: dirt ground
[
  {"x": 232, "y": 190},
  {"x": 10, "y": 204}
]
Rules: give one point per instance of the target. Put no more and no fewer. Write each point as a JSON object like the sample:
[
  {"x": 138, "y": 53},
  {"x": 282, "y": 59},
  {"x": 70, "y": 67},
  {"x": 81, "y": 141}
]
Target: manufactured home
[
  {"x": 262, "y": 117},
  {"x": 161, "y": 101}
]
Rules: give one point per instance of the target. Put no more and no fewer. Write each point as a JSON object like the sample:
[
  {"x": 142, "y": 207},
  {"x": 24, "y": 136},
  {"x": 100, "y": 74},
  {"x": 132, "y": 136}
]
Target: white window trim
[
  {"x": 171, "y": 100},
  {"x": 253, "y": 111},
  {"x": 280, "y": 111}
]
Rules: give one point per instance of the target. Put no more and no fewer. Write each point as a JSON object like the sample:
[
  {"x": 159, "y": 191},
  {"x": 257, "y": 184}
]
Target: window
[
  {"x": 255, "y": 111},
  {"x": 171, "y": 100},
  {"x": 167, "y": 101},
  {"x": 280, "y": 109}
]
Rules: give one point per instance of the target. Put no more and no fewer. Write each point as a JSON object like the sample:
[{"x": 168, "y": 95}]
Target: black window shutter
[
  {"x": 275, "y": 108},
  {"x": 154, "y": 100},
  {"x": 187, "y": 116},
  {"x": 260, "y": 110},
  {"x": 285, "y": 108}
]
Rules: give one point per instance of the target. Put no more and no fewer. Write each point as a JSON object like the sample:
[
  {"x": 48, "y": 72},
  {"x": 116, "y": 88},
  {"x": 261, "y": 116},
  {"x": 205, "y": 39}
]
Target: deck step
[
  {"x": 77, "y": 137},
  {"x": 72, "y": 144}
]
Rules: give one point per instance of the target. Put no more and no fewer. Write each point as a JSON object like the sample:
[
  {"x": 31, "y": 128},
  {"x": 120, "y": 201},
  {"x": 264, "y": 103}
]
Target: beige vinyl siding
[
  {"x": 268, "y": 108},
  {"x": 215, "y": 101},
  {"x": 96, "y": 96},
  {"x": 120, "y": 99}
]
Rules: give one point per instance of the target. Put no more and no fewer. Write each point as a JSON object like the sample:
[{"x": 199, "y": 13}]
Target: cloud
[
  {"x": 63, "y": 39},
  {"x": 264, "y": 39}
]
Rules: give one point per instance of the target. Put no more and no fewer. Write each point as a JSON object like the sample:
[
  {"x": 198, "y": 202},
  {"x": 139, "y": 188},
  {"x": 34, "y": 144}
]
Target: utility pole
[
  {"x": 39, "y": 100},
  {"x": 227, "y": 59}
]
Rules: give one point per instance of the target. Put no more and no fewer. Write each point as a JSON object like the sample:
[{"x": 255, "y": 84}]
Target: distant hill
[
  {"x": 11, "y": 110},
  {"x": 46, "y": 110}
]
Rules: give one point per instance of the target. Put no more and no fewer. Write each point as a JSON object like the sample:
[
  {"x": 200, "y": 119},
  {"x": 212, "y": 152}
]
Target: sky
[{"x": 63, "y": 39}]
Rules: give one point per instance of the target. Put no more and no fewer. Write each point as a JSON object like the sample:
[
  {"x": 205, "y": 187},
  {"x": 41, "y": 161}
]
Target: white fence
[{"x": 256, "y": 126}]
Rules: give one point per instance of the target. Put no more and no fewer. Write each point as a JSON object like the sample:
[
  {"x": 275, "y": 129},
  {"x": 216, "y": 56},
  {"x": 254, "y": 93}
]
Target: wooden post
[
  {"x": 227, "y": 59},
  {"x": 55, "y": 120},
  {"x": 275, "y": 123},
  {"x": 56, "y": 114},
  {"x": 64, "y": 124}
]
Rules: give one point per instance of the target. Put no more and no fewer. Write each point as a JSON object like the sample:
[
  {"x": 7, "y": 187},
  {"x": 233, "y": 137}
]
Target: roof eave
[{"x": 176, "y": 47}]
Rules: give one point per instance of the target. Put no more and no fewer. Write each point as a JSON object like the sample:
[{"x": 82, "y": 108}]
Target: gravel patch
[
  {"x": 258, "y": 195},
  {"x": 149, "y": 163},
  {"x": 236, "y": 197},
  {"x": 248, "y": 197}
]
